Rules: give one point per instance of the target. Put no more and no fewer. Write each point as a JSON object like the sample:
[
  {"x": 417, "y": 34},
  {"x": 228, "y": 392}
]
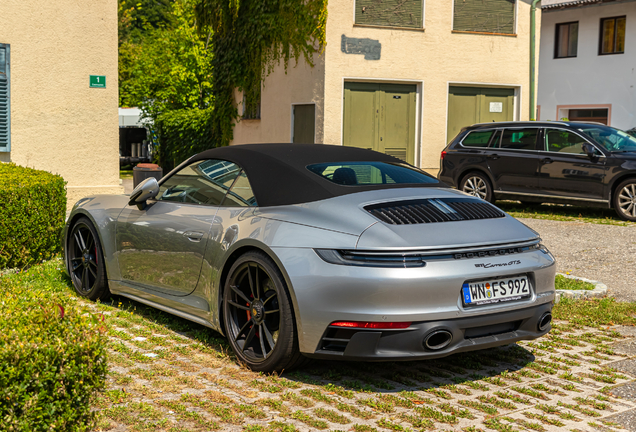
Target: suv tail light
[{"x": 443, "y": 155}]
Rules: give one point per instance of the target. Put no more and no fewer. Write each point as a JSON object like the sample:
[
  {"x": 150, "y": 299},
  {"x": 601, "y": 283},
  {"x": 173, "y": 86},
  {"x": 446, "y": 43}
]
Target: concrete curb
[{"x": 600, "y": 290}]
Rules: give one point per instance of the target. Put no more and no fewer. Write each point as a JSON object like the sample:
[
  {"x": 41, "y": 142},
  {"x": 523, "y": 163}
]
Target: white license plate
[{"x": 495, "y": 290}]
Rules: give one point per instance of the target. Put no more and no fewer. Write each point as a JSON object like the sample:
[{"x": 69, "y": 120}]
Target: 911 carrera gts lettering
[{"x": 490, "y": 265}]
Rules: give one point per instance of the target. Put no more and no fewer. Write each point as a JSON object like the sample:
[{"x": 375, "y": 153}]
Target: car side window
[
  {"x": 202, "y": 182},
  {"x": 240, "y": 194},
  {"x": 519, "y": 139},
  {"x": 562, "y": 141},
  {"x": 477, "y": 138}
]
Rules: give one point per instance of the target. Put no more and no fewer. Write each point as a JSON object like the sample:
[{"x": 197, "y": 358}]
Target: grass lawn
[
  {"x": 170, "y": 374},
  {"x": 125, "y": 174},
  {"x": 563, "y": 283},
  {"x": 563, "y": 213}
]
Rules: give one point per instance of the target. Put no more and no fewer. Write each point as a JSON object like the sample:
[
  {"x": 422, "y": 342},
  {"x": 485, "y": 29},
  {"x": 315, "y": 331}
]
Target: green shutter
[
  {"x": 392, "y": 13},
  {"x": 5, "y": 108},
  {"x": 484, "y": 16}
]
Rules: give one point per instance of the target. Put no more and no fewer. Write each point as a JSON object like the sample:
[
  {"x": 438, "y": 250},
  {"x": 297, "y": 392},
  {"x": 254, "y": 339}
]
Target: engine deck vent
[{"x": 434, "y": 210}]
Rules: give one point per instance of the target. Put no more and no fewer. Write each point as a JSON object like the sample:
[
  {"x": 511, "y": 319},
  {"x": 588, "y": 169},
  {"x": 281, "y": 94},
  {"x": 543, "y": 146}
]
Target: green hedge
[
  {"x": 52, "y": 353},
  {"x": 183, "y": 133},
  {"x": 32, "y": 213}
]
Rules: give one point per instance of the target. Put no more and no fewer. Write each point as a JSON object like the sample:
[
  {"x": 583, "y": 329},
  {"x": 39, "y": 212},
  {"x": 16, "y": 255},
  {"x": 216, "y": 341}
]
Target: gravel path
[{"x": 606, "y": 253}]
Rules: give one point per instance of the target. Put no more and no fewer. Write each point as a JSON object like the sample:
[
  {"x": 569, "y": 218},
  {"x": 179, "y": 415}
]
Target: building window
[
  {"x": 390, "y": 13},
  {"x": 251, "y": 106},
  {"x": 484, "y": 16},
  {"x": 598, "y": 115},
  {"x": 566, "y": 41},
  {"x": 5, "y": 99},
  {"x": 612, "y": 35}
]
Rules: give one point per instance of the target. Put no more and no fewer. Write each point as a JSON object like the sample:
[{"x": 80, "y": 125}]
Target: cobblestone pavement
[
  {"x": 168, "y": 374},
  {"x": 606, "y": 253}
]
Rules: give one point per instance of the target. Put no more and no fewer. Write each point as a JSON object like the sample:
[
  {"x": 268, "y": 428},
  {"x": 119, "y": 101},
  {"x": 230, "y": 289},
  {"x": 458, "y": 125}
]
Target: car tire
[
  {"x": 85, "y": 261},
  {"x": 258, "y": 316},
  {"x": 624, "y": 200},
  {"x": 477, "y": 184}
]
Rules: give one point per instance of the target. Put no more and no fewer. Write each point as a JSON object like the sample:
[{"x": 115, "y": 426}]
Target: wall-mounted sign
[
  {"x": 496, "y": 106},
  {"x": 371, "y": 48},
  {"x": 97, "y": 81}
]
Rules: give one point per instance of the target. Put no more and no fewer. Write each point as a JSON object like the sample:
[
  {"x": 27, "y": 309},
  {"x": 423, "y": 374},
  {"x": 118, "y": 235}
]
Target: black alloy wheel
[
  {"x": 625, "y": 200},
  {"x": 85, "y": 261},
  {"x": 258, "y": 317},
  {"x": 478, "y": 185}
]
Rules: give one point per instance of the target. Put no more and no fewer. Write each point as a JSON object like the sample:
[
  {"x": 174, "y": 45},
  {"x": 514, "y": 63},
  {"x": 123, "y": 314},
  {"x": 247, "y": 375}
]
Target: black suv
[{"x": 534, "y": 162}]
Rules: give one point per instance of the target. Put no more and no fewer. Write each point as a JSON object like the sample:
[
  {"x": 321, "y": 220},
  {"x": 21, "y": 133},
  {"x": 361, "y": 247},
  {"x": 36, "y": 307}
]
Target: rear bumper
[
  {"x": 468, "y": 334},
  {"x": 427, "y": 297}
]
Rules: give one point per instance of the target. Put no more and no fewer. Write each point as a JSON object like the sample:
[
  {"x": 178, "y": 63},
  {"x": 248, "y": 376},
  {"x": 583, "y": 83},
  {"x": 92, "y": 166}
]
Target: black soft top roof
[{"x": 278, "y": 173}]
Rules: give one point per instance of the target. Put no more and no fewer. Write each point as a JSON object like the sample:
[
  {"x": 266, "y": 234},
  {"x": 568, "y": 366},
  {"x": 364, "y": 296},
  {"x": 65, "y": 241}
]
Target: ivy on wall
[{"x": 250, "y": 38}]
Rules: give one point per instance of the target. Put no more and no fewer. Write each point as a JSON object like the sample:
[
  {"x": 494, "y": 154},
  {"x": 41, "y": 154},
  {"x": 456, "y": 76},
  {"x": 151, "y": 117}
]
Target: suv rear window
[
  {"x": 519, "y": 139},
  {"x": 477, "y": 138},
  {"x": 370, "y": 173}
]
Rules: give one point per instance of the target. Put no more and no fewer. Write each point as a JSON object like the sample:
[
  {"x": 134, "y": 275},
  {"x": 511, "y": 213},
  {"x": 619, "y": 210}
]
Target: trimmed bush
[
  {"x": 32, "y": 213},
  {"x": 183, "y": 133},
  {"x": 52, "y": 353}
]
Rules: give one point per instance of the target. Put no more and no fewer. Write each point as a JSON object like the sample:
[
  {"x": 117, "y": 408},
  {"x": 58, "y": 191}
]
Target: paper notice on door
[{"x": 496, "y": 106}]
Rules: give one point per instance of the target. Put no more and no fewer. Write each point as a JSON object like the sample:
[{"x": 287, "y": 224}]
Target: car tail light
[
  {"x": 371, "y": 325},
  {"x": 362, "y": 259},
  {"x": 443, "y": 155}
]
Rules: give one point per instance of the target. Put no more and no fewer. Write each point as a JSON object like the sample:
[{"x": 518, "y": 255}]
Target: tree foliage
[
  {"x": 137, "y": 16},
  {"x": 170, "y": 68},
  {"x": 249, "y": 39}
]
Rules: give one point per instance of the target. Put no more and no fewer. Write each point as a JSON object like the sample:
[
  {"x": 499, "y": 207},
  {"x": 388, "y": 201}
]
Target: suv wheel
[
  {"x": 477, "y": 184},
  {"x": 625, "y": 200}
]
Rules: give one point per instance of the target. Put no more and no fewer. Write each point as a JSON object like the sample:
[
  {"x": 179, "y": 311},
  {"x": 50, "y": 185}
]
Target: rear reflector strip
[{"x": 371, "y": 325}]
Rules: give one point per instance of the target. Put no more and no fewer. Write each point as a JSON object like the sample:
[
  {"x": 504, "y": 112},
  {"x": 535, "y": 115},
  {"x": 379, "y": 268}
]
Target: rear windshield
[{"x": 370, "y": 173}]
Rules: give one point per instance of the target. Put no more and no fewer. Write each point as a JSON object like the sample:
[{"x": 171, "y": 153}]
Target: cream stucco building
[
  {"x": 53, "y": 115},
  {"x": 402, "y": 77}
]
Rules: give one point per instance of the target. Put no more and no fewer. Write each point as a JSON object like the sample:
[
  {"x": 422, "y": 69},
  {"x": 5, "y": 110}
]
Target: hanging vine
[{"x": 249, "y": 39}]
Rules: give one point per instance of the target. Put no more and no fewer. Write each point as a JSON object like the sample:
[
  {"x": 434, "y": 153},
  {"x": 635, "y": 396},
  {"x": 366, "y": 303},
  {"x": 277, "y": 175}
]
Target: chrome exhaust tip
[
  {"x": 438, "y": 340},
  {"x": 544, "y": 321}
]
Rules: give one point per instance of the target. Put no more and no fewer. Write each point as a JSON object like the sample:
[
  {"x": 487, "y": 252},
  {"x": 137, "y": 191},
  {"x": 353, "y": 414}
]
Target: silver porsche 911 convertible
[{"x": 316, "y": 251}]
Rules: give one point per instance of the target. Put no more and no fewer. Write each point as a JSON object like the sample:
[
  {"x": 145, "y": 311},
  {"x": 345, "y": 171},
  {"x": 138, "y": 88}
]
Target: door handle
[
  {"x": 193, "y": 235},
  {"x": 493, "y": 156},
  {"x": 546, "y": 161}
]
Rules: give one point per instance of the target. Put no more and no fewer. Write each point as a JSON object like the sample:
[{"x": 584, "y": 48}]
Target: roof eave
[{"x": 562, "y": 4}]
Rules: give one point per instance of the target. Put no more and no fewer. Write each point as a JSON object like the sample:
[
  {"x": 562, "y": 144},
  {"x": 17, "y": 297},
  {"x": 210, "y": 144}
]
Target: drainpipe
[{"x": 533, "y": 31}]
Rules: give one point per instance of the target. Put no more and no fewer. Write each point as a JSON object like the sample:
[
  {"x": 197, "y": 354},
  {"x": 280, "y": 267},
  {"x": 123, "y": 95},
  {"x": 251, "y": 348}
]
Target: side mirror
[
  {"x": 589, "y": 150},
  {"x": 144, "y": 191}
]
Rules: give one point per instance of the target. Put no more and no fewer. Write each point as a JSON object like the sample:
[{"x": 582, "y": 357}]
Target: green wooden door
[
  {"x": 304, "y": 123},
  {"x": 381, "y": 117},
  {"x": 470, "y": 105}
]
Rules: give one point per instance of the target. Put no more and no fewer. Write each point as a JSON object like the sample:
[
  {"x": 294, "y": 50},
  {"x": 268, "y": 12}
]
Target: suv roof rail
[
  {"x": 520, "y": 121},
  {"x": 590, "y": 122}
]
